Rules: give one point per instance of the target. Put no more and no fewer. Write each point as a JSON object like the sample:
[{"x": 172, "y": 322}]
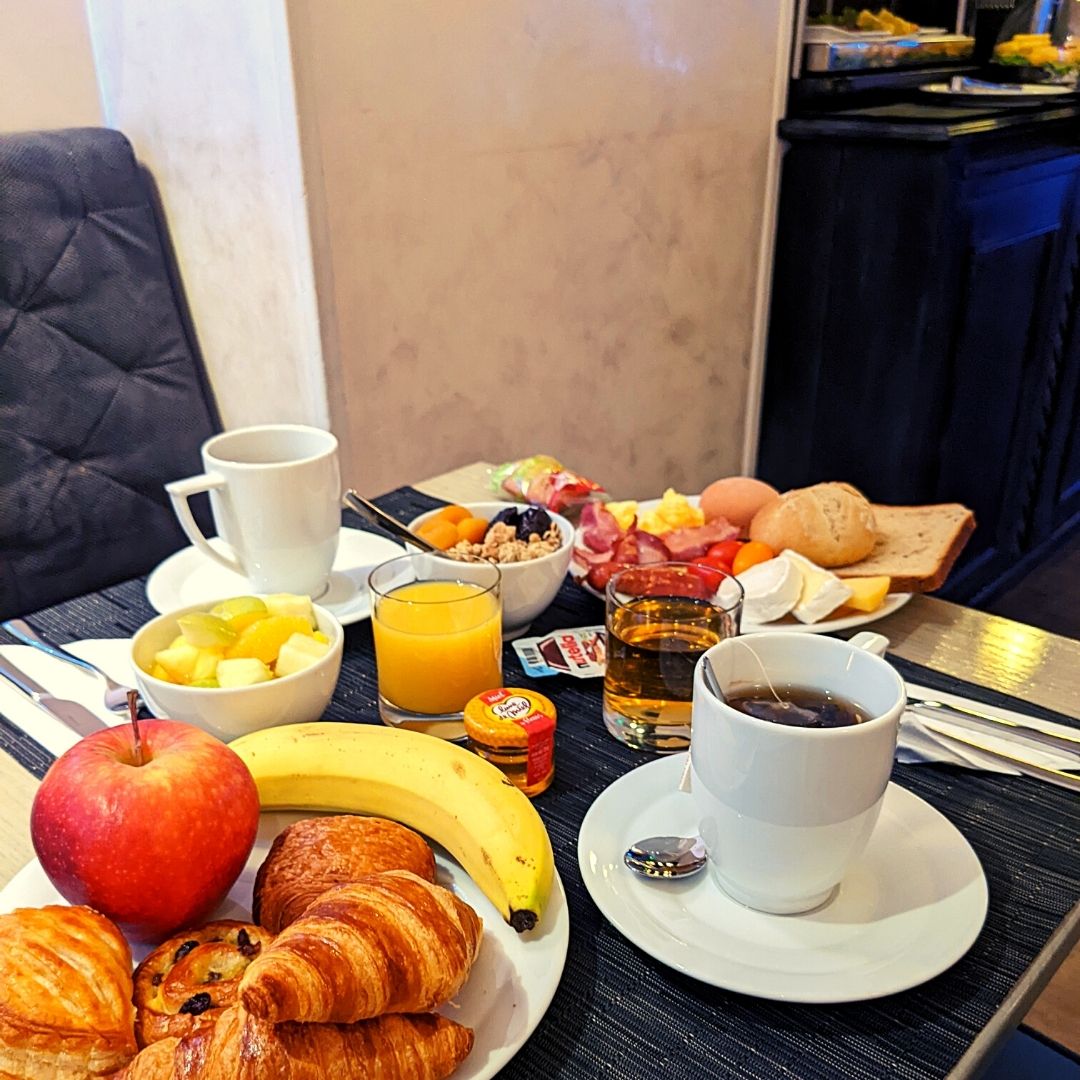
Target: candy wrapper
[
  {"x": 543, "y": 481},
  {"x": 579, "y": 652}
]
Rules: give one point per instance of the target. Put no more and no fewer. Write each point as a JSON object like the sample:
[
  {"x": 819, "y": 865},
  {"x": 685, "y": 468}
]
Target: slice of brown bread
[{"x": 916, "y": 546}]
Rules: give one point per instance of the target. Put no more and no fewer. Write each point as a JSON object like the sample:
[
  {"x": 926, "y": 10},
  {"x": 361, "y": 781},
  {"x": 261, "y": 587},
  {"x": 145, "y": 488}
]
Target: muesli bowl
[{"x": 527, "y": 587}]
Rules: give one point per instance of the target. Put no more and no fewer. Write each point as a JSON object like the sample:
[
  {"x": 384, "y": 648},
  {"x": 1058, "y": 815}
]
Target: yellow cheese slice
[{"x": 867, "y": 593}]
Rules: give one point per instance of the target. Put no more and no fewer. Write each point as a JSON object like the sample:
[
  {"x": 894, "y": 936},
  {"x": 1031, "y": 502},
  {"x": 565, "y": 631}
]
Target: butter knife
[
  {"x": 1000, "y": 725},
  {"x": 1060, "y": 777},
  {"x": 77, "y": 717}
]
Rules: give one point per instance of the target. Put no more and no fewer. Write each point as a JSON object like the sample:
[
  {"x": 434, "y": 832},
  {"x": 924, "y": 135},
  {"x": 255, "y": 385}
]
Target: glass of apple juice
[
  {"x": 660, "y": 617},
  {"x": 437, "y": 624}
]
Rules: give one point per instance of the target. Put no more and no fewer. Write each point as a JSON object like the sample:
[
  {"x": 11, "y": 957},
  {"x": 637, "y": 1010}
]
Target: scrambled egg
[
  {"x": 674, "y": 512},
  {"x": 623, "y": 512}
]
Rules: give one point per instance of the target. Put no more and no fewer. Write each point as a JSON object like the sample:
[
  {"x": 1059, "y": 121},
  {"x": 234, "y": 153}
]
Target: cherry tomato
[
  {"x": 714, "y": 562},
  {"x": 750, "y": 554},
  {"x": 726, "y": 550}
]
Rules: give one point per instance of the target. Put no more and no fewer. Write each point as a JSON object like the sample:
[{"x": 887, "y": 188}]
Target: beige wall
[
  {"x": 540, "y": 227},
  {"x": 46, "y": 66},
  {"x": 204, "y": 91}
]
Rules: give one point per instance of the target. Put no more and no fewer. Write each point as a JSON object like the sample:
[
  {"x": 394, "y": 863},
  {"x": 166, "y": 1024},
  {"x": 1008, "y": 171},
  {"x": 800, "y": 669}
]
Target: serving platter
[
  {"x": 510, "y": 986},
  {"x": 834, "y": 624}
]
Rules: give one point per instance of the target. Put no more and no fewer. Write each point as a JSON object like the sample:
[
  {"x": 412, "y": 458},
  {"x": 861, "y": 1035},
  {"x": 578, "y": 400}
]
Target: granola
[{"x": 501, "y": 545}]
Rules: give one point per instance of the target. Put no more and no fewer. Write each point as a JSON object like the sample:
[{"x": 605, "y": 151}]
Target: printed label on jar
[{"x": 540, "y": 749}]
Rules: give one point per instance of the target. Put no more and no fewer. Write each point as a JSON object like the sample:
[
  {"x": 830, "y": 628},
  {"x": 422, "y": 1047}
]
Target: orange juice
[{"x": 437, "y": 644}]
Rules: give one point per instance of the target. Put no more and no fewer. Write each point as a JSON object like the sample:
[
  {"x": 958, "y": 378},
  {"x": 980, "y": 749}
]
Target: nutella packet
[{"x": 579, "y": 652}]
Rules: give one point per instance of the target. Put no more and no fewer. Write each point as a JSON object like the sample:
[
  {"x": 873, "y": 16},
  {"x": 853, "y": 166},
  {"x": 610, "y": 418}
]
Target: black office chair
[{"x": 103, "y": 395}]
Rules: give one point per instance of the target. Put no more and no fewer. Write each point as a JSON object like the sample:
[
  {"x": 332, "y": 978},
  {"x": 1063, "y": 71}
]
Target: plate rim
[
  {"x": 154, "y": 586},
  {"x": 535, "y": 1008},
  {"x": 944, "y": 958}
]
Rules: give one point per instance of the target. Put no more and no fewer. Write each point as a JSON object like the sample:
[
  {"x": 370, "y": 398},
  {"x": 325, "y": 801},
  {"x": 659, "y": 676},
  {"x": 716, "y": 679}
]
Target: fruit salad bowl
[
  {"x": 527, "y": 587},
  {"x": 229, "y": 711}
]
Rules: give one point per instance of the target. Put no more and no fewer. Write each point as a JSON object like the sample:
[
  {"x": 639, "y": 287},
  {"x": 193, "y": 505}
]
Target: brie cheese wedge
[
  {"x": 822, "y": 591},
  {"x": 772, "y": 588}
]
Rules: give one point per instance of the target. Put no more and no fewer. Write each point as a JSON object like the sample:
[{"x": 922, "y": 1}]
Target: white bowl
[
  {"x": 229, "y": 712},
  {"x": 527, "y": 587}
]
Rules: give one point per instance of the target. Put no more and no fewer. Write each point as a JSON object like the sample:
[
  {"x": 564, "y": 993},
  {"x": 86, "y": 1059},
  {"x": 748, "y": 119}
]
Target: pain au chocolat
[
  {"x": 65, "y": 995},
  {"x": 315, "y": 854}
]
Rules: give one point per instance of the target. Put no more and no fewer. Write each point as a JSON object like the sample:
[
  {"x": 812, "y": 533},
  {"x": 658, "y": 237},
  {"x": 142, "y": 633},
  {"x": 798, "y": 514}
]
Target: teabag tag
[{"x": 579, "y": 652}]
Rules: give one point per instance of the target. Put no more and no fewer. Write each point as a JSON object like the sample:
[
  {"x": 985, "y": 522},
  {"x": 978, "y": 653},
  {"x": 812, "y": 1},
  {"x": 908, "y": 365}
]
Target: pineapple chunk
[
  {"x": 320, "y": 636},
  {"x": 243, "y": 671},
  {"x": 299, "y": 652},
  {"x": 158, "y": 672},
  {"x": 178, "y": 661},
  {"x": 293, "y": 606},
  {"x": 867, "y": 593},
  {"x": 205, "y": 666}
]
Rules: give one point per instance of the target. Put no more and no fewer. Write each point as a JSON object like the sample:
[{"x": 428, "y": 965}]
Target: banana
[{"x": 453, "y": 796}]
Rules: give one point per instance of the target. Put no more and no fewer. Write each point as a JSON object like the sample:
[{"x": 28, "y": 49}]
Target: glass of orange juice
[{"x": 438, "y": 639}]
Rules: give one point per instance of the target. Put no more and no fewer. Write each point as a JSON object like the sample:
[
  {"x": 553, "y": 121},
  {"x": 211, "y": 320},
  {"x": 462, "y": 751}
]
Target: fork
[{"x": 115, "y": 693}]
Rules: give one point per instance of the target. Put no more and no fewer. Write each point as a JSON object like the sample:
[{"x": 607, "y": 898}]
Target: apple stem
[{"x": 133, "y": 712}]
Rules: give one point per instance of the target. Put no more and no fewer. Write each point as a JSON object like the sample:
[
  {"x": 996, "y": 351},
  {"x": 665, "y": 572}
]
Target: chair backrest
[{"x": 103, "y": 396}]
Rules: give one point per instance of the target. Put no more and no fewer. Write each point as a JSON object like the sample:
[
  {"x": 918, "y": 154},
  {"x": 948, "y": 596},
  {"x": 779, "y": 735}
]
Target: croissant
[
  {"x": 240, "y": 1047},
  {"x": 312, "y": 855},
  {"x": 188, "y": 980},
  {"x": 65, "y": 995},
  {"x": 389, "y": 942}
]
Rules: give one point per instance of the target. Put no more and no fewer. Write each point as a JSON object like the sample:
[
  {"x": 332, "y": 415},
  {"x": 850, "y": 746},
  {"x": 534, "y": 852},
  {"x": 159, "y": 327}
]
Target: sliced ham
[
  {"x": 599, "y": 530},
  {"x": 693, "y": 542},
  {"x": 583, "y": 556}
]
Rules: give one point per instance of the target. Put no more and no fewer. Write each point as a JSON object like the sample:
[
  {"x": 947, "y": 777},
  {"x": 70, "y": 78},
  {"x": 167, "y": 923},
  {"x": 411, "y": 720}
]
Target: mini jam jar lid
[{"x": 508, "y": 716}]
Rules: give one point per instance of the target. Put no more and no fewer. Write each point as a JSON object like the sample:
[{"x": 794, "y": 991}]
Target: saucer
[
  {"x": 189, "y": 577},
  {"x": 910, "y": 907}
]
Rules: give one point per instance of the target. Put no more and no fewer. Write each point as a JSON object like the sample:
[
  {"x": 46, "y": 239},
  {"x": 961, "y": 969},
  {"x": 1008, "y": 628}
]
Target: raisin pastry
[
  {"x": 239, "y": 1047},
  {"x": 65, "y": 995},
  {"x": 185, "y": 983},
  {"x": 388, "y": 943},
  {"x": 312, "y": 855}
]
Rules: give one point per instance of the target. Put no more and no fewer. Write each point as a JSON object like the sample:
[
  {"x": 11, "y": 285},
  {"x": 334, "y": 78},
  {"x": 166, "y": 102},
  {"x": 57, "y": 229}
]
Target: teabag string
[{"x": 797, "y": 716}]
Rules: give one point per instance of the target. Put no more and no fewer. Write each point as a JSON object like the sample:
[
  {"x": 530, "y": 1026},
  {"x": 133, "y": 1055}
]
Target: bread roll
[{"x": 831, "y": 524}]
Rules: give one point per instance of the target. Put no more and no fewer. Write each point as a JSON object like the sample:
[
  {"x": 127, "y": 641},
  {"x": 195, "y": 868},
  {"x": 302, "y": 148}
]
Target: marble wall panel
[{"x": 538, "y": 227}]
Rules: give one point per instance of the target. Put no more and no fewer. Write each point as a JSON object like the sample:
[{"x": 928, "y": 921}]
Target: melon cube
[
  {"x": 293, "y": 606},
  {"x": 178, "y": 661},
  {"x": 299, "y": 652},
  {"x": 242, "y": 671}
]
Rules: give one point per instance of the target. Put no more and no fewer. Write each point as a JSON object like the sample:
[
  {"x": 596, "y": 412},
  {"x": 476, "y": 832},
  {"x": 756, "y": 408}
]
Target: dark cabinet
[{"x": 922, "y": 338}]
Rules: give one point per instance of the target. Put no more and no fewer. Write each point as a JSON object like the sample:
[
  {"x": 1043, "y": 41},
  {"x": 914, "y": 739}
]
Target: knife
[
  {"x": 77, "y": 717},
  {"x": 1068, "y": 742},
  {"x": 1060, "y": 777}
]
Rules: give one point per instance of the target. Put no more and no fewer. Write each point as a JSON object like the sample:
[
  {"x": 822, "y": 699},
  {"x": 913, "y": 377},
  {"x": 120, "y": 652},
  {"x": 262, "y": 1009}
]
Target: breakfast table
[{"x": 620, "y": 1013}]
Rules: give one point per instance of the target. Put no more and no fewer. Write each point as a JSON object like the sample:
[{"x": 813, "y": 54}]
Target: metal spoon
[
  {"x": 711, "y": 681},
  {"x": 370, "y": 512},
  {"x": 667, "y": 856}
]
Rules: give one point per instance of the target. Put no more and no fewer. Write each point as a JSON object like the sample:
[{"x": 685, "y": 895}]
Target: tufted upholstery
[{"x": 102, "y": 393}]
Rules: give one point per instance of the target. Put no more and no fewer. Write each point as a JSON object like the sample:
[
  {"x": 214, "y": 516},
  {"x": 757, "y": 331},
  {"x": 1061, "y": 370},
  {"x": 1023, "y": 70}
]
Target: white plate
[
  {"x": 910, "y": 907},
  {"x": 189, "y": 577},
  {"x": 893, "y": 602},
  {"x": 509, "y": 989},
  {"x": 997, "y": 92}
]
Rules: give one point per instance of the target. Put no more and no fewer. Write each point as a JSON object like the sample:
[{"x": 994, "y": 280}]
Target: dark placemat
[{"x": 619, "y": 1013}]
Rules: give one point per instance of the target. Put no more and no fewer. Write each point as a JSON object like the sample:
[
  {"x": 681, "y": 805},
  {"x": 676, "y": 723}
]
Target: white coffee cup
[
  {"x": 784, "y": 811},
  {"x": 275, "y": 493}
]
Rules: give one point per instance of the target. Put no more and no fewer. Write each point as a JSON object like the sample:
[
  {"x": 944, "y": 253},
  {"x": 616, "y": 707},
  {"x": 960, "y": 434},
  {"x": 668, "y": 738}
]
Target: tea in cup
[{"x": 788, "y": 775}]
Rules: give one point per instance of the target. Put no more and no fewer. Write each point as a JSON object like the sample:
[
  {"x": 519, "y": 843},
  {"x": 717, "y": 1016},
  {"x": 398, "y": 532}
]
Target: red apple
[{"x": 154, "y": 846}]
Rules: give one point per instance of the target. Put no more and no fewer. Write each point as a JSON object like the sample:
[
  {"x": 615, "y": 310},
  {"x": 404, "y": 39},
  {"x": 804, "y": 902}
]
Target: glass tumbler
[
  {"x": 660, "y": 618},
  {"x": 437, "y": 624}
]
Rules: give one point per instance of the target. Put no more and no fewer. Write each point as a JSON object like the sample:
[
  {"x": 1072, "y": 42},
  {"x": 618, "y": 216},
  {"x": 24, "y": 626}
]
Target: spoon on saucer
[{"x": 667, "y": 856}]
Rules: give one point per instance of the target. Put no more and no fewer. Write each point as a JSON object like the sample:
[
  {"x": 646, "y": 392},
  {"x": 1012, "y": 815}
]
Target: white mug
[
  {"x": 275, "y": 493},
  {"x": 784, "y": 811}
]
